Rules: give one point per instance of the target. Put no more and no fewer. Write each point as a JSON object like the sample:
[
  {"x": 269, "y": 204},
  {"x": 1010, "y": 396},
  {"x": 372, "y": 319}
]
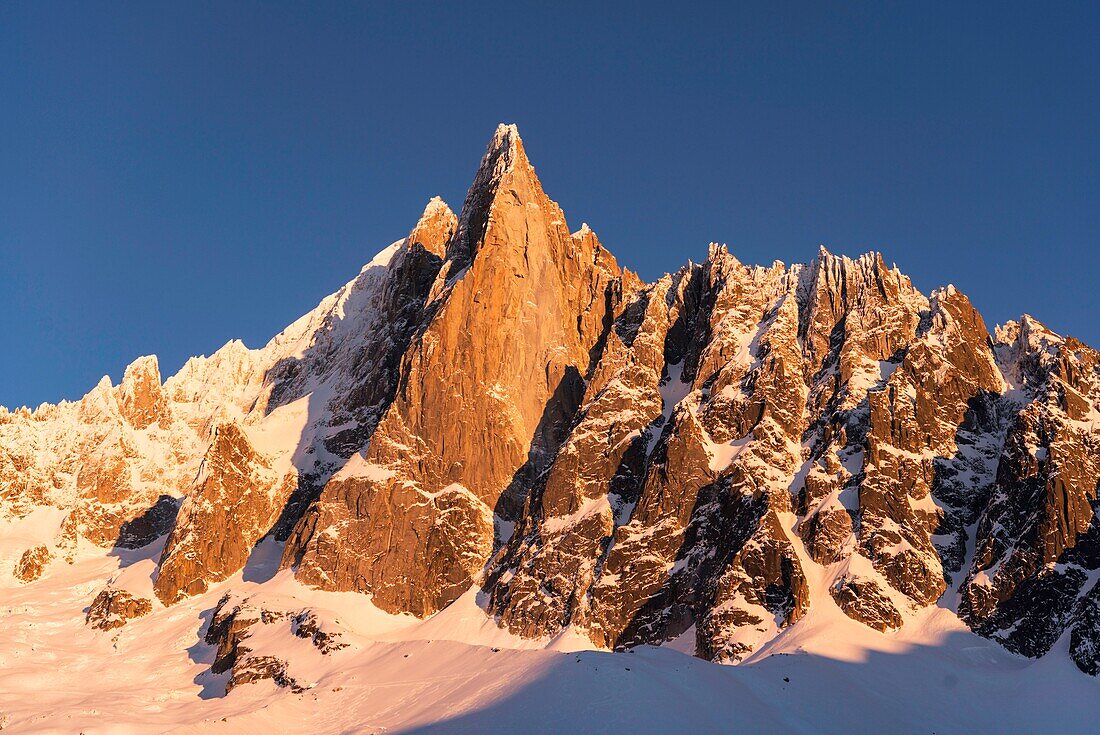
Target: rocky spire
[
  {"x": 520, "y": 304},
  {"x": 504, "y": 157}
]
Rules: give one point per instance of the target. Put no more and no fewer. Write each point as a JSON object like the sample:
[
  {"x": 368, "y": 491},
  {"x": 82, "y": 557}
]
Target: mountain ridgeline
[{"x": 494, "y": 403}]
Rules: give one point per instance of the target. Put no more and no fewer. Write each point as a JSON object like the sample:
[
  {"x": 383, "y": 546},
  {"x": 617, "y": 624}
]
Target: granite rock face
[
  {"x": 744, "y": 408},
  {"x": 233, "y": 504},
  {"x": 141, "y": 399},
  {"x": 494, "y": 405}
]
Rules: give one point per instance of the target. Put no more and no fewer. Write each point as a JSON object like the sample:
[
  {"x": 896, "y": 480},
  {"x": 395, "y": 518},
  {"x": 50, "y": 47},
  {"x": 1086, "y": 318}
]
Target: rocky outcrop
[
  {"x": 914, "y": 424},
  {"x": 677, "y": 522},
  {"x": 542, "y": 580},
  {"x": 443, "y": 541},
  {"x": 233, "y": 504},
  {"x": 233, "y": 623},
  {"x": 777, "y": 373},
  {"x": 865, "y": 600},
  {"x": 1084, "y": 642},
  {"x": 113, "y": 608},
  {"x": 306, "y": 624},
  {"x": 906, "y": 399},
  {"x": 32, "y": 563},
  {"x": 230, "y": 626}
]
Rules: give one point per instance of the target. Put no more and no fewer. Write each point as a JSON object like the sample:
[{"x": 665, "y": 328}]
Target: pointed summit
[
  {"x": 509, "y": 418},
  {"x": 435, "y": 227},
  {"x": 434, "y": 207},
  {"x": 505, "y": 145},
  {"x": 503, "y": 167},
  {"x": 1034, "y": 333}
]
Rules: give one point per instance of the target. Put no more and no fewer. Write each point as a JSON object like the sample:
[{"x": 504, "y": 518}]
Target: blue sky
[{"x": 174, "y": 175}]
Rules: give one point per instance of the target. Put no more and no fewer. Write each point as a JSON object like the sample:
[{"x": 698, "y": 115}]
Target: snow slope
[{"x": 457, "y": 672}]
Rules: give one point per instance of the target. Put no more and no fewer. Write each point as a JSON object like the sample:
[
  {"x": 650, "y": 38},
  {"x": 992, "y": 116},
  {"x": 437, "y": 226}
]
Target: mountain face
[{"x": 494, "y": 404}]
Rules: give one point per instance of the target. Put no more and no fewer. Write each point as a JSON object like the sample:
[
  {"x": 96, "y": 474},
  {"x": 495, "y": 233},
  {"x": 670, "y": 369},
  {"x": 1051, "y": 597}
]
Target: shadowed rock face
[
  {"x": 494, "y": 403},
  {"x": 914, "y": 422},
  {"x": 749, "y": 406},
  {"x": 597, "y": 474},
  {"x": 1038, "y": 546},
  {"x": 703, "y": 545},
  {"x": 739, "y": 413}
]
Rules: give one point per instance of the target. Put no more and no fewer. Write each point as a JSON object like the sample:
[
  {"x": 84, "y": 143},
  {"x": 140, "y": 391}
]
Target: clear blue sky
[{"x": 174, "y": 175}]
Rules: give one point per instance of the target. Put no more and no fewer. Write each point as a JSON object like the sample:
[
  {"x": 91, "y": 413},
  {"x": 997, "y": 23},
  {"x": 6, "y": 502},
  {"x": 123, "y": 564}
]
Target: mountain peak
[
  {"x": 506, "y": 134},
  {"x": 434, "y": 206},
  {"x": 434, "y": 228},
  {"x": 1034, "y": 332},
  {"x": 504, "y": 152},
  {"x": 140, "y": 397},
  {"x": 504, "y": 164}
]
